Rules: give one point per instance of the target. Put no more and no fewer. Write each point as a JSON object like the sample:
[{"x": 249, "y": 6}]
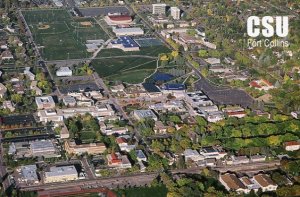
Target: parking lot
[
  {"x": 224, "y": 96},
  {"x": 17, "y": 119},
  {"x": 78, "y": 87},
  {"x": 94, "y": 12}
]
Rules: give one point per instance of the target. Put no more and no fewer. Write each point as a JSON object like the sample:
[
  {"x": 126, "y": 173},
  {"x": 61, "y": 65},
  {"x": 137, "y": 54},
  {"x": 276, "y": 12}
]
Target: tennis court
[{"x": 148, "y": 42}]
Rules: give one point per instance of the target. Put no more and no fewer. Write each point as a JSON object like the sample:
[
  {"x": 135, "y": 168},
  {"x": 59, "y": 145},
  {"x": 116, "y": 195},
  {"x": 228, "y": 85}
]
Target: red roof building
[{"x": 114, "y": 20}]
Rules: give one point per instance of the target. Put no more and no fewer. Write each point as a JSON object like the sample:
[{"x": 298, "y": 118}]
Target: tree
[
  {"x": 202, "y": 53},
  {"x": 17, "y": 98}
]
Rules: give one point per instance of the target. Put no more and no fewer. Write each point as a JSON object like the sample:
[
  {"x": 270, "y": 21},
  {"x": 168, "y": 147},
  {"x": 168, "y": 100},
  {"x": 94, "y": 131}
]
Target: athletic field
[{"x": 61, "y": 36}]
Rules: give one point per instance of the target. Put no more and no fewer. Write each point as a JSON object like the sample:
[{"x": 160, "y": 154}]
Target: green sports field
[
  {"x": 127, "y": 69},
  {"x": 121, "y": 66},
  {"x": 61, "y": 36}
]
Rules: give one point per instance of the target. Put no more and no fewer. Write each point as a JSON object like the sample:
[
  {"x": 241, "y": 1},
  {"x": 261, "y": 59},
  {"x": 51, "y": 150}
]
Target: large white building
[
  {"x": 60, "y": 174},
  {"x": 64, "y": 71},
  {"x": 175, "y": 13},
  {"x": 29, "y": 174},
  {"x": 128, "y": 31},
  {"x": 159, "y": 8}
]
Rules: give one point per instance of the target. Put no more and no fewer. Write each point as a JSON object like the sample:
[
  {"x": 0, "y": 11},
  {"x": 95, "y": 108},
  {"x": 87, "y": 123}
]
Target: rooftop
[{"x": 61, "y": 171}]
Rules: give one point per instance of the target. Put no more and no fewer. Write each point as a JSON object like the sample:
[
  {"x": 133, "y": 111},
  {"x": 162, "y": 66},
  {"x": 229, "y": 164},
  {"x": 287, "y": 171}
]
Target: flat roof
[{"x": 61, "y": 171}]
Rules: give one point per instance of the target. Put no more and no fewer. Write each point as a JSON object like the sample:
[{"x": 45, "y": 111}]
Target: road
[
  {"x": 3, "y": 171},
  {"x": 142, "y": 179},
  {"x": 112, "y": 182}
]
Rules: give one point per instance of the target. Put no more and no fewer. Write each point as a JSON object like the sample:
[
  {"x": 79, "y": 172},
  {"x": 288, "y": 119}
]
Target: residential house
[
  {"x": 7, "y": 55},
  {"x": 8, "y": 105},
  {"x": 33, "y": 86},
  {"x": 232, "y": 183},
  {"x": 249, "y": 183},
  {"x": 265, "y": 182},
  {"x": 140, "y": 155},
  {"x": 160, "y": 128},
  {"x": 29, "y": 74},
  {"x": 116, "y": 160},
  {"x": 122, "y": 142},
  {"x": 292, "y": 145}
]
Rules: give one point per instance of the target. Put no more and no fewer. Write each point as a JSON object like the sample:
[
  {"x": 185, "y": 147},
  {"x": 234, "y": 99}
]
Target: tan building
[{"x": 93, "y": 148}]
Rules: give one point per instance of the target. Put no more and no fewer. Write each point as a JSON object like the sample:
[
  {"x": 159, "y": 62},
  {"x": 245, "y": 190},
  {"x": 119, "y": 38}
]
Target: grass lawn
[
  {"x": 61, "y": 36},
  {"x": 159, "y": 191},
  {"x": 133, "y": 77},
  {"x": 149, "y": 51},
  {"x": 130, "y": 69}
]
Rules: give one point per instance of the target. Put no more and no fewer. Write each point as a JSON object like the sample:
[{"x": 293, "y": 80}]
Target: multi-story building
[
  {"x": 159, "y": 8},
  {"x": 175, "y": 13}
]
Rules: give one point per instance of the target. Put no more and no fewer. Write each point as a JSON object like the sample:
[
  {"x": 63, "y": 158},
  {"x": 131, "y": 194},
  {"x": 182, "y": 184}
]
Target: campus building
[
  {"x": 142, "y": 114},
  {"x": 114, "y": 20},
  {"x": 64, "y": 71},
  {"x": 125, "y": 43},
  {"x": 45, "y": 102},
  {"x": 60, "y": 174},
  {"x": 42, "y": 148},
  {"x": 29, "y": 174},
  {"x": 128, "y": 31},
  {"x": 175, "y": 13},
  {"x": 92, "y": 148},
  {"x": 159, "y": 8}
]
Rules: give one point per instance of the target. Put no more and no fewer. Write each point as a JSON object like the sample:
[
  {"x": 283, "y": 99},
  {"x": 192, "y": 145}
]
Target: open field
[
  {"x": 149, "y": 51},
  {"x": 128, "y": 69},
  {"x": 61, "y": 36},
  {"x": 159, "y": 191}
]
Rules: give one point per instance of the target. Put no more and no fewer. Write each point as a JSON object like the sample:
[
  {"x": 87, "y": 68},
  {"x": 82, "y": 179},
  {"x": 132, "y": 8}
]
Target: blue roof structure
[
  {"x": 174, "y": 86},
  {"x": 126, "y": 41},
  {"x": 162, "y": 77},
  {"x": 140, "y": 154},
  {"x": 150, "y": 87}
]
